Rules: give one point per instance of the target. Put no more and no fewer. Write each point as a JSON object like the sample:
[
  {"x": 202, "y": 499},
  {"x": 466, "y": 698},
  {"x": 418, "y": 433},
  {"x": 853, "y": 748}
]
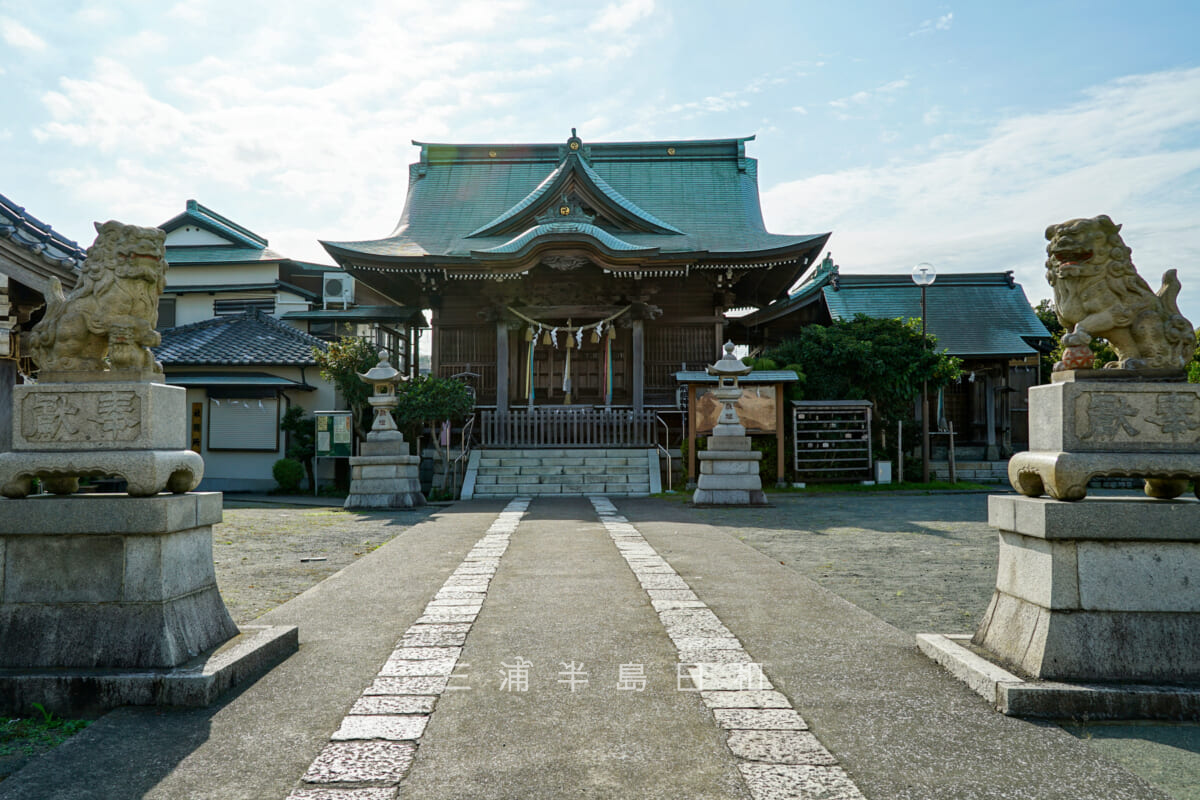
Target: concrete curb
[{"x": 1012, "y": 695}]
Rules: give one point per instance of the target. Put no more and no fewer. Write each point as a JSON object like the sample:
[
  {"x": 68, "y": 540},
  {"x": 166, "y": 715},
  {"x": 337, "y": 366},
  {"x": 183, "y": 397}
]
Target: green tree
[
  {"x": 1193, "y": 366},
  {"x": 302, "y": 438},
  {"x": 881, "y": 360},
  {"x": 424, "y": 403},
  {"x": 341, "y": 364}
]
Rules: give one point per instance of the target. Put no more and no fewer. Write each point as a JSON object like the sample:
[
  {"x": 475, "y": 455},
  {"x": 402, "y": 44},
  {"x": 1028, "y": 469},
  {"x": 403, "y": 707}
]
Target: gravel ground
[
  {"x": 923, "y": 563},
  {"x": 259, "y": 551}
]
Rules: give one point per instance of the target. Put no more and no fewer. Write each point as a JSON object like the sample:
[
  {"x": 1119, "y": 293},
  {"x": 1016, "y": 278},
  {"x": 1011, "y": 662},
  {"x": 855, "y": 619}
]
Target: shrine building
[{"x": 579, "y": 277}]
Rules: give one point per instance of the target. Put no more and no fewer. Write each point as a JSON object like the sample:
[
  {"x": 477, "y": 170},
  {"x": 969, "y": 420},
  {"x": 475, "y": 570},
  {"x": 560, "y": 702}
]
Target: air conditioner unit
[{"x": 337, "y": 287}]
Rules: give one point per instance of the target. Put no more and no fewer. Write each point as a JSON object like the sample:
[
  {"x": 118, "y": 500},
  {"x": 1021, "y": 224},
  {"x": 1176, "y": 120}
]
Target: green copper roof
[
  {"x": 755, "y": 376},
  {"x": 574, "y": 175},
  {"x": 460, "y": 195},
  {"x": 979, "y": 314},
  {"x": 971, "y": 314},
  {"x": 211, "y": 221},
  {"x": 523, "y": 241},
  {"x": 217, "y": 254}
]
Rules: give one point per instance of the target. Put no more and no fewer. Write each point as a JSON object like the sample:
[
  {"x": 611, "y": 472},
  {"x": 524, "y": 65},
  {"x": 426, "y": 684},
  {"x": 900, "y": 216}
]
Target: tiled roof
[
  {"x": 754, "y": 376},
  {"x": 708, "y": 190},
  {"x": 410, "y": 314},
  {"x": 214, "y": 288},
  {"x": 211, "y": 221},
  {"x": 973, "y": 314},
  {"x": 216, "y": 254},
  {"x": 249, "y": 338},
  {"x": 59, "y": 254}
]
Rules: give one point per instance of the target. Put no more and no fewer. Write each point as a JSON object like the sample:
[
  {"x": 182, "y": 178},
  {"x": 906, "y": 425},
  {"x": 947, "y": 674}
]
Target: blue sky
[{"x": 920, "y": 131}]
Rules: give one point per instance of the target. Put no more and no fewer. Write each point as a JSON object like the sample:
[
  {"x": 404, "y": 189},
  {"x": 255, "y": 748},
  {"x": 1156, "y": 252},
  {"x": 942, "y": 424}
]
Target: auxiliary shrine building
[{"x": 580, "y": 274}]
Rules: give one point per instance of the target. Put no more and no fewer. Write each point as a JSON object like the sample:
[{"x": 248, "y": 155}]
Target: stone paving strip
[
  {"x": 778, "y": 756},
  {"x": 370, "y": 753}
]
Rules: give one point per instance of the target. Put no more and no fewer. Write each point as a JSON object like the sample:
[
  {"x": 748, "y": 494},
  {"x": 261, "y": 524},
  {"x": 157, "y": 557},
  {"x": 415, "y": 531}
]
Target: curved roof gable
[
  {"x": 582, "y": 231},
  {"x": 574, "y": 176}
]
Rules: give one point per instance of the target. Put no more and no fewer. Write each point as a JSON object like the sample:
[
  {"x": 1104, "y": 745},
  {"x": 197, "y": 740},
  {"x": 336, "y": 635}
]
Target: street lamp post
[{"x": 923, "y": 275}]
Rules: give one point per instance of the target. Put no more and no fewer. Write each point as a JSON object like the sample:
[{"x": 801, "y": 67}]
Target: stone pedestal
[
  {"x": 1105, "y": 589},
  {"x": 729, "y": 470},
  {"x": 384, "y": 475},
  {"x": 108, "y": 581},
  {"x": 109, "y": 600},
  {"x": 729, "y": 476},
  {"x": 131, "y": 429},
  {"x": 1105, "y": 423}
]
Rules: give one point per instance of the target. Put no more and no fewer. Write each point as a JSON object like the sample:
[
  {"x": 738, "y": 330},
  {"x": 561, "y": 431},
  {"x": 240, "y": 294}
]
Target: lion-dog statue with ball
[{"x": 1098, "y": 294}]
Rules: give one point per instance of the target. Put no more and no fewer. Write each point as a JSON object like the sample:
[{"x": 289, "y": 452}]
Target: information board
[{"x": 334, "y": 433}]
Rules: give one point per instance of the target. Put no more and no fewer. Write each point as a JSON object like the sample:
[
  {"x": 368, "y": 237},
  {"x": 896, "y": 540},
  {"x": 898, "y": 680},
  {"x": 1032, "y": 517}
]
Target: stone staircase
[
  {"x": 976, "y": 471},
  {"x": 631, "y": 472}
]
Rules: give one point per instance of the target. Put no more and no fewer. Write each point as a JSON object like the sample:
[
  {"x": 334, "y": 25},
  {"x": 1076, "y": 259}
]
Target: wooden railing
[{"x": 567, "y": 427}]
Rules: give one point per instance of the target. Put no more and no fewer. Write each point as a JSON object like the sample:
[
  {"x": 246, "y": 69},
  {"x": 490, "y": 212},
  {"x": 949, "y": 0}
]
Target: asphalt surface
[{"x": 897, "y": 724}]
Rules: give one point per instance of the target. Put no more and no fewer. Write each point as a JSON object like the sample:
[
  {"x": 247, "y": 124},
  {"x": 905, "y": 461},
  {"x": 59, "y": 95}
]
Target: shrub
[{"x": 288, "y": 473}]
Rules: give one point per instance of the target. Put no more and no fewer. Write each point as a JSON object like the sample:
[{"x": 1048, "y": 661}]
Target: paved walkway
[{"x": 533, "y": 651}]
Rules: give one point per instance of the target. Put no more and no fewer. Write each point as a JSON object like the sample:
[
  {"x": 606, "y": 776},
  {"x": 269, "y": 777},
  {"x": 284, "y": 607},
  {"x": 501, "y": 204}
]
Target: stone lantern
[
  {"x": 383, "y": 474},
  {"x": 729, "y": 467},
  {"x": 383, "y": 378}
]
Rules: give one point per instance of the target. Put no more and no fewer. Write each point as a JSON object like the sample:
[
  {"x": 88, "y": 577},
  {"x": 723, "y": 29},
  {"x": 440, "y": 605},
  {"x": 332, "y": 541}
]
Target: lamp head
[{"x": 924, "y": 274}]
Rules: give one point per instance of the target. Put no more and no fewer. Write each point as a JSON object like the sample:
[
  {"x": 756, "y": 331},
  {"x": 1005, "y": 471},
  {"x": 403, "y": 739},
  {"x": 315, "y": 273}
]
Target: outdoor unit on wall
[{"x": 337, "y": 287}]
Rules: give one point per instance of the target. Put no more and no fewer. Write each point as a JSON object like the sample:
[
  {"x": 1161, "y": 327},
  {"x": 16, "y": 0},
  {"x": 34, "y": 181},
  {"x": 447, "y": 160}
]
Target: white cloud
[
  {"x": 883, "y": 93},
  {"x": 17, "y": 35},
  {"x": 985, "y": 206},
  {"x": 621, "y": 16},
  {"x": 942, "y": 23},
  {"x": 800, "y": 109},
  {"x": 305, "y": 134}
]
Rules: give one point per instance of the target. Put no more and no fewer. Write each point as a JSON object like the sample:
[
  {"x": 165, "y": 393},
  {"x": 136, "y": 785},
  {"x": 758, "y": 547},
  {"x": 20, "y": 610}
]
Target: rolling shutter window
[{"x": 243, "y": 424}]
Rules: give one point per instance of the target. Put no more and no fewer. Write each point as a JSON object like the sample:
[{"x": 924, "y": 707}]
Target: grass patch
[
  {"x": 932, "y": 486},
  {"x": 27, "y": 736}
]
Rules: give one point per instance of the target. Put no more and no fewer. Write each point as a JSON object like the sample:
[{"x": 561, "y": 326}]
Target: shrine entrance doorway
[{"x": 593, "y": 367}]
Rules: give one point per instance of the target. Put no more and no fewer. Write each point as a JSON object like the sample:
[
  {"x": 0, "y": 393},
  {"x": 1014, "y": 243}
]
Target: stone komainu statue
[
  {"x": 108, "y": 320},
  {"x": 1098, "y": 293}
]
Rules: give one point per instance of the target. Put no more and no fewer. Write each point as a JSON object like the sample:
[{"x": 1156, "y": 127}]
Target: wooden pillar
[
  {"x": 414, "y": 351},
  {"x": 779, "y": 437},
  {"x": 501, "y": 367},
  {"x": 639, "y": 365},
  {"x": 8, "y": 379},
  {"x": 434, "y": 355},
  {"x": 989, "y": 401},
  {"x": 691, "y": 436}
]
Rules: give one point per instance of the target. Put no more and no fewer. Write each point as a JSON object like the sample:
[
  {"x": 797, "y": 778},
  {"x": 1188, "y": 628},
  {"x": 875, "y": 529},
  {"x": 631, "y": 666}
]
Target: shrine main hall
[{"x": 580, "y": 274}]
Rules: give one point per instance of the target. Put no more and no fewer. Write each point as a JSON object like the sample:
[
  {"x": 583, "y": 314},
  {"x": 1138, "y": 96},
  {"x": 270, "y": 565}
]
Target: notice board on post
[{"x": 334, "y": 434}]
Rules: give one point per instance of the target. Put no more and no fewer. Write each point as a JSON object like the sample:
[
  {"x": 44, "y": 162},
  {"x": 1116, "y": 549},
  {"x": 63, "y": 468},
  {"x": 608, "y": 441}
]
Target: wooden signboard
[{"x": 755, "y": 409}]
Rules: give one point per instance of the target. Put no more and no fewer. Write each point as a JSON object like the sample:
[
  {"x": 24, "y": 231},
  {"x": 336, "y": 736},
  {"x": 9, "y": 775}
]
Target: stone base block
[
  {"x": 1102, "y": 590},
  {"x": 109, "y": 581},
  {"x": 147, "y": 472},
  {"x": 382, "y": 481},
  {"x": 1065, "y": 476},
  {"x": 729, "y": 497},
  {"x": 745, "y": 482},
  {"x": 383, "y": 447},
  {"x": 198, "y": 682},
  {"x": 384, "y": 501},
  {"x": 1016, "y": 696}
]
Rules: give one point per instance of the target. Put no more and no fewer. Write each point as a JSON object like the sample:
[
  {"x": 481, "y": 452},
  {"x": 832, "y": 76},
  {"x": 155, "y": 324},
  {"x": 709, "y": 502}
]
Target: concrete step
[{"x": 507, "y": 473}]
